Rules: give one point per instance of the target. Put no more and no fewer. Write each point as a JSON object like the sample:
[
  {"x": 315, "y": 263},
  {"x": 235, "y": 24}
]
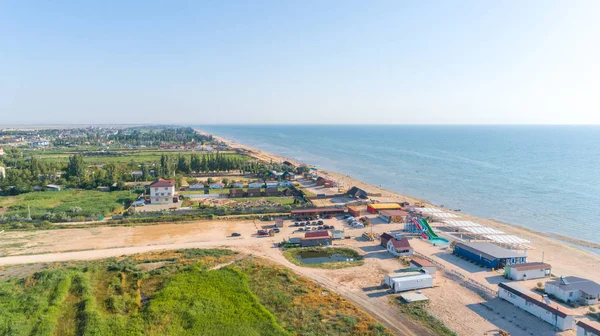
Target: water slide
[
  {"x": 428, "y": 228},
  {"x": 420, "y": 227}
]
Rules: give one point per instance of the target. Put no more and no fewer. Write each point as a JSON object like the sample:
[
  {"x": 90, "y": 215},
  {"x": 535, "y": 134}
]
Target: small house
[
  {"x": 354, "y": 211},
  {"x": 272, "y": 184},
  {"x": 316, "y": 238},
  {"x": 536, "y": 305},
  {"x": 271, "y": 192},
  {"x": 574, "y": 289},
  {"x": 423, "y": 264},
  {"x": 197, "y": 186},
  {"x": 53, "y": 187},
  {"x": 399, "y": 247},
  {"x": 217, "y": 185},
  {"x": 384, "y": 238},
  {"x": 254, "y": 192},
  {"x": 489, "y": 255},
  {"x": 527, "y": 271},
  {"x": 375, "y": 207},
  {"x": 356, "y": 192},
  {"x": 393, "y": 216},
  {"x": 256, "y": 185},
  {"x": 405, "y": 281},
  {"x": 588, "y": 328},
  {"x": 237, "y": 185},
  {"x": 288, "y": 176},
  {"x": 236, "y": 193},
  {"x": 337, "y": 234},
  {"x": 332, "y": 211}
]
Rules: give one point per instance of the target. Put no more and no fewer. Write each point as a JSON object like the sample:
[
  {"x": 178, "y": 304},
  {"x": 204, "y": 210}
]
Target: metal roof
[
  {"x": 576, "y": 283},
  {"x": 492, "y": 250},
  {"x": 531, "y": 297}
]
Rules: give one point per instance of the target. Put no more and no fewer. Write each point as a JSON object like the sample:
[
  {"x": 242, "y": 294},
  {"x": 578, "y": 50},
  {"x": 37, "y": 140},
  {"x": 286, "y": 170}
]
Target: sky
[{"x": 300, "y": 62}]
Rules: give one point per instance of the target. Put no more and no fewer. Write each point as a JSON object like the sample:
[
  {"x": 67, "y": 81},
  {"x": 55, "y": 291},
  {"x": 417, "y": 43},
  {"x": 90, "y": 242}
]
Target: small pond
[{"x": 319, "y": 257}]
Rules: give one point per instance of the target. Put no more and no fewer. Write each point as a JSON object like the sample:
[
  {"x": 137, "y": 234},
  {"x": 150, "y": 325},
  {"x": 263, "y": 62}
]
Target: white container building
[
  {"x": 560, "y": 317},
  {"x": 527, "y": 271},
  {"x": 401, "y": 282}
]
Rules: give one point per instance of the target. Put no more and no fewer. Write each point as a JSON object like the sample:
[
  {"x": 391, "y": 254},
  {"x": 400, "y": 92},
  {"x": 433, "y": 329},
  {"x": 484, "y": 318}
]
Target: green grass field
[
  {"x": 146, "y": 157},
  {"x": 292, "y": 255},
  {"x": 91, "y": 203},
  {"x": 173, "y": 293}
]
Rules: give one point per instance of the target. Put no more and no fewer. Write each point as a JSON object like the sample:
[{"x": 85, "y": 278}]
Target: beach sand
[{"x": 566, "y": 259}]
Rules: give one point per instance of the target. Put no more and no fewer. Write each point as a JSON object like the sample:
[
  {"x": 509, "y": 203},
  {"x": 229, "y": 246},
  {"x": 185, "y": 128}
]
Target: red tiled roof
[
  {"x": 386, "y": 236},
  {"x": 162, "y": 183},
  {"x": 421, "y": 262},
  {"x": 530, "y": 266},
  {"x": 400, "y": 244},
  {"x": 317, "y": 234}
]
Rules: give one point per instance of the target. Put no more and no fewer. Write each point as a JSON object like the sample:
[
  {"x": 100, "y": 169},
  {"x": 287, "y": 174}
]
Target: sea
[{"x": 546, "y": 178}]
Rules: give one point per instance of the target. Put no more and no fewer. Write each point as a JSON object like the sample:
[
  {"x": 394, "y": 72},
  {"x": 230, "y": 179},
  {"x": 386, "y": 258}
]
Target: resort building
[
  {"x": 393, "y": 216},
  {"x": 271, "y": 192},
  {"x": 405, "y": 281},
  {"x": 256, "y": 185},
  {"x": 236, "y": 193},
  {"x": 354, "y": 211},
  {"x": 574, "y": 289},
  {"x": 254, "y": 192},
  {"x": 399, "y": 247},
  {"x": 527, "y": 271},
  {"x": 162, "y": 191},
  {"x": 337, "y": 234},
  {"x": 535, "y": 304},
  {"x": 317, "y": 212},
  {"x": 423, "y": 264},
  {"x": 197, "y": 186},
  {"x": 316, "y": 238},
  {"x": 374, "y": 208},
  {"x": 588, "y": 328},
  {"x": 489, "y": 255},
  {"x": 356, "y": 192}
]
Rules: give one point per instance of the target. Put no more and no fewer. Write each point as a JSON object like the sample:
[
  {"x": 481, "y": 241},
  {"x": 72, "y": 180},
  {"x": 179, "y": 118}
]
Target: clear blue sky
[{"x": 300, "y": 62}]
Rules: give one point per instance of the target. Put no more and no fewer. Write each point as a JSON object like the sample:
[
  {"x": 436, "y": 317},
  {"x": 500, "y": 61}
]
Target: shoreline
[{"x": 259, "y": 154}]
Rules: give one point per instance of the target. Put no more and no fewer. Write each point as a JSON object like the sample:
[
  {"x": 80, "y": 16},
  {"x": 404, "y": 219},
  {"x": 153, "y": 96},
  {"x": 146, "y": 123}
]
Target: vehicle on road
[{"x": 235, "y": 234}]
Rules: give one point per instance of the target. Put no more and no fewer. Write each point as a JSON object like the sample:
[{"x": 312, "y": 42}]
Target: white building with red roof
[{"x": 162, "y": 191}]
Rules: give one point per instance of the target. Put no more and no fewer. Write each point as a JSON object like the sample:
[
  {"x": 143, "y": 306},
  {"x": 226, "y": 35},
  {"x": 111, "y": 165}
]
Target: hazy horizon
[{"x": 382, "y": 62}]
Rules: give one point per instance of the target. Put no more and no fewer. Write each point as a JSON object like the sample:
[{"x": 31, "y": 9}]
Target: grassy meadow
[
  {"x": 124, "y": 157},
  {"x": 73, "y": 203},
  {"x": 173, "y": 293},
  {"x": 293, "y": 253}
]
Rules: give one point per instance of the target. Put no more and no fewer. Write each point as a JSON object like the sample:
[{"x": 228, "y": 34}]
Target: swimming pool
[{"x": 438, "y": 241}]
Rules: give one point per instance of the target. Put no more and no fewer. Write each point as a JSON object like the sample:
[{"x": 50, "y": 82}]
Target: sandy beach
[{"x": 565, "y": 258}]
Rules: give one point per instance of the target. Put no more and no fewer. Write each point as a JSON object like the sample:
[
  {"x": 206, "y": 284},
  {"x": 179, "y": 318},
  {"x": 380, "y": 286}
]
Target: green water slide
[{"x": 430, "y": 232}]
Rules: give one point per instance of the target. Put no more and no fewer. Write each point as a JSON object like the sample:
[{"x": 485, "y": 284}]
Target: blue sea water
[{"x": 546, "y": 178}]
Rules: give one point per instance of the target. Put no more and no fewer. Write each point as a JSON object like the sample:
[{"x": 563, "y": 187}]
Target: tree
[
  {"x": 195, "y": 163},
  {"x": 182, "y": 165},
  {"x": 75, "y": 167}
]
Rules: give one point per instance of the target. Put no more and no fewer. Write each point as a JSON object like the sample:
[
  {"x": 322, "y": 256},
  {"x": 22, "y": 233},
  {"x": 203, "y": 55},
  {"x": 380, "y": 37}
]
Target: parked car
[
  {"x": 320, "y": 222},
  {"x": 235, "y": 234},
  {"x": 276, "y": 230}
]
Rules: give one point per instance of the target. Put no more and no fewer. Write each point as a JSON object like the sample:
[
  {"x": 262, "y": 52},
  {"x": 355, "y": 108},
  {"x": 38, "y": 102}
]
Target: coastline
[{"x": 550, "y": 247}]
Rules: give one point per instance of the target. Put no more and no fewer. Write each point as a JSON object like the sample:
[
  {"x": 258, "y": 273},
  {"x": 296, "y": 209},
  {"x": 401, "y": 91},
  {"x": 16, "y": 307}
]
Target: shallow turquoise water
[{"x": 438, "y": 241}]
